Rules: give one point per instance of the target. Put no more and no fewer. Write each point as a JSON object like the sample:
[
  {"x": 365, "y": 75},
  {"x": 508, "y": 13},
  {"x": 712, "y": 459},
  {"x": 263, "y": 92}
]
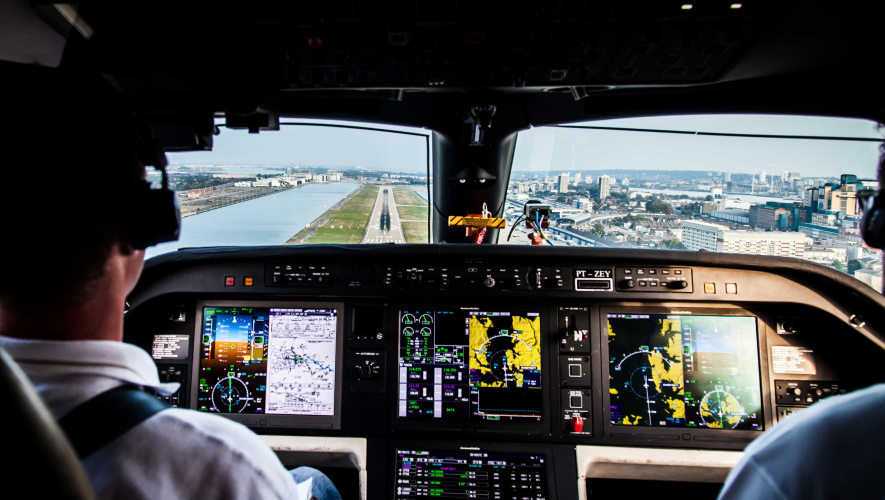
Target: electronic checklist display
[
  {"x": 274, "y": 360},
  {"x": 470, "y": 364},
  {"x": 680, "y": 370}
]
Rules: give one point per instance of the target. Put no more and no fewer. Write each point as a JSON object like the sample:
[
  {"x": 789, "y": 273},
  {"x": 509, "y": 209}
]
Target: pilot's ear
[{"x": 126, "y": 247}]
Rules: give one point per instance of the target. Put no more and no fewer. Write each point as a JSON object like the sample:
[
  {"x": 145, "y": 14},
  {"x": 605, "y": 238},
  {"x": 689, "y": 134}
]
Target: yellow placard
[{"x": 493, "y": 222}]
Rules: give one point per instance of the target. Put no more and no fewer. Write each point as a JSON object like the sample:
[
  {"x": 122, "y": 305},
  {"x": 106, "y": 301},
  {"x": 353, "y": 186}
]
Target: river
[
  {"x": 270, "y": 220},
  {"x": 755, "y": 198}
]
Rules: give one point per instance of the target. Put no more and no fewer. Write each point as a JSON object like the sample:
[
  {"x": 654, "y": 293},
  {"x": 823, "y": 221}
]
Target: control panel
[
  {"x": 653, "y": 279},
  {"x": 300, "y": 274},
  {"x": 478, "y": 277},
  {"x": 575, "y": 368},
  {"x": 174, "y": 373},
  {"x": 793, "y": 395}
]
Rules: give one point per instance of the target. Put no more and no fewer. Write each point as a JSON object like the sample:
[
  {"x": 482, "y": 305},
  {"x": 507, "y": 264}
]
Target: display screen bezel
[
  {"x": 691, "y": 433},
  {"x": 275, "y": 420},
  {"x": 548, "y": 348}
]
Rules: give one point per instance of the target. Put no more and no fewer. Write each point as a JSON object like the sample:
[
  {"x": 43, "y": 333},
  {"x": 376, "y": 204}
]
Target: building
[
  {"x": 701, "y": 235},
  {"x": 715, "y": 238},
  {"x": 825, "y": 254},
  {"x": 824, "y": 219},
  {"x": 870, "y": 277},
  {"x": 605, "y": 183},
  {"x": 577, "y": 178},
  {"x": 727, "y": 176},
  {"x": 764, "y": 243},
  {"x": 563, "y": 182},
  {"x": 731, "y": 215},
  {"x": 840, "y": 197},
  {"x": 769, "y": 217},
  {"x": 289, "y": 171}
]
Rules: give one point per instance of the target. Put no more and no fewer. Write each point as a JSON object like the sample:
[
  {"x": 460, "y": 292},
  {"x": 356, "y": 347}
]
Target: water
[
  {"x": 269, "y": 220},
  {"x": 701, "y": 194}
]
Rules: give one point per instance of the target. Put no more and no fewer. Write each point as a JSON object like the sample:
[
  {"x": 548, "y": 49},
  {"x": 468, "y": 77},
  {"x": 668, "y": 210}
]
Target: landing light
[
  {"x": 687, "y": 6},
  {"x": 736, "y": 6}
]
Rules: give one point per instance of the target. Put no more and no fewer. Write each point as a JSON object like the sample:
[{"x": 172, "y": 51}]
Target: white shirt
[
  {"x": 176, "y": 453},
  {"x": 833, "y": 449}
]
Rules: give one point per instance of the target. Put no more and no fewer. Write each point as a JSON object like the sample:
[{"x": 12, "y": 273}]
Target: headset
[
  {"x": 151, "y": 216},
  {"x": 873, "y": 222}
]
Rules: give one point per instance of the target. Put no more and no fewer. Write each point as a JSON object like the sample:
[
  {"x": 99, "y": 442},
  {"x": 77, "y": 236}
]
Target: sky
[
  {"x": 317, "y": 146},
  {"x": 551, "y": 149}
]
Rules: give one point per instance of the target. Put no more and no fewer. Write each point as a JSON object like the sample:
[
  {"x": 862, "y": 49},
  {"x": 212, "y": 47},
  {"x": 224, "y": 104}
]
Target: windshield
[
  {"x": 311, "y": 182},
  {"x": 751, "y": 184}
]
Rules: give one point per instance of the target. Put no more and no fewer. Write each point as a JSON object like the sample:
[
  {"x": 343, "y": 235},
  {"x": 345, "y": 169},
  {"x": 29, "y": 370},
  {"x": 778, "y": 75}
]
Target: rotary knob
[
  {"x": 489, "y": 282},
  {"x": 367, "y": 371}
]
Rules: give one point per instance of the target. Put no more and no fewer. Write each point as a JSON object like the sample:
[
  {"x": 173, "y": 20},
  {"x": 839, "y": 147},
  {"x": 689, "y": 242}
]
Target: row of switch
[{"x": 298, "y": 275}]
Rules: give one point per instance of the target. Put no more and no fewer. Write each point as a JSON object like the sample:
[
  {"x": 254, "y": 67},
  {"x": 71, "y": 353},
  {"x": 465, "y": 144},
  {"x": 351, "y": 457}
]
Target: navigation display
[
  {"x": 684, "y": 371},
  {"x": 266, "y": 360},
  {"x": 465, "y": 364},
  {"x": 469, "y": 474}
]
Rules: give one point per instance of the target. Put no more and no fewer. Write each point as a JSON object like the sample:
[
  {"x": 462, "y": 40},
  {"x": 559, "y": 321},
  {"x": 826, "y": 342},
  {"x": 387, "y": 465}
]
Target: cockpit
[{"x": 501, "y": 251}]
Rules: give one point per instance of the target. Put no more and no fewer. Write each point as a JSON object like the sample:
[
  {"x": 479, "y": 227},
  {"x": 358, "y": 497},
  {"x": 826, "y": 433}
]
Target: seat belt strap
[{"x": 104, "y": 418}]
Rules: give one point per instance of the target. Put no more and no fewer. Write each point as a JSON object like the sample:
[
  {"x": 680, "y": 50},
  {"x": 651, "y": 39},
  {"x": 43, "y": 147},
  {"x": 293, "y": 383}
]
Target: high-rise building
[
  {"x": 727, "y": 176},
  {"x": 604, "y": 186},
  {"x": 577, "y": 178},
  {"x": 563, "y": 182},
  {"x": 289, "y": 171},
  {"x": 762, "y": 177}
]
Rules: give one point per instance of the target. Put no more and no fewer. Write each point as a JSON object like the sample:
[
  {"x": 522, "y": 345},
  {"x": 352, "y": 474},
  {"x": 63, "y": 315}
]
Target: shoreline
[
  {"x": 234, "y": 198},
  {"x": 303, "y": 236}
]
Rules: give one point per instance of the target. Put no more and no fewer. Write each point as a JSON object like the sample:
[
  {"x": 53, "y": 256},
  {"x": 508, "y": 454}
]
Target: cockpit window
[
  {"x": 751, "y": 184},
  {"x": 310, "y": 182}
]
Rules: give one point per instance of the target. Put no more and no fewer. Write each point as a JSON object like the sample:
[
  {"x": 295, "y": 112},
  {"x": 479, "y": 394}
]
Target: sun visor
[{"x": 26, "y": 38}]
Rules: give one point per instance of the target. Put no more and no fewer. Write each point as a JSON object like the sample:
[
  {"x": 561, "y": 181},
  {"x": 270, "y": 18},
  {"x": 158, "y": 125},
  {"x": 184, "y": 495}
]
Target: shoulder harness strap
[{"x": 104, "y": 418}]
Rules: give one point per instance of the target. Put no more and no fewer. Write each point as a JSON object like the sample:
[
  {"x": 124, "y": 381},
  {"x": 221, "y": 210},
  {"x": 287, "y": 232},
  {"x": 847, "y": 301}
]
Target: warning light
[
  {"x": 248, "y": 281},
  {"x": 229, "y": 281}
]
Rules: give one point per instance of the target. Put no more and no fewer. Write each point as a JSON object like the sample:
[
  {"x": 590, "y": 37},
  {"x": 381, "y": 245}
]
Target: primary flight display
[
  {"x": 470, "y": 364},
  {"x": 684, "y": 371},
  {"x": 265, "y": 360}
]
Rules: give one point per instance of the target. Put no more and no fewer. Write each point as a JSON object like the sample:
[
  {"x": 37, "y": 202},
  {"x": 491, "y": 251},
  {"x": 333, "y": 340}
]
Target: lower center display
[
  {"x": 470, "y": 474},
  {"x": 466, "y": 364}
]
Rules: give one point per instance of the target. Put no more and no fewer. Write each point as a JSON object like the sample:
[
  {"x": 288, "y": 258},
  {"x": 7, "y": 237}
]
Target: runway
[{"x": 384, "y": 224}]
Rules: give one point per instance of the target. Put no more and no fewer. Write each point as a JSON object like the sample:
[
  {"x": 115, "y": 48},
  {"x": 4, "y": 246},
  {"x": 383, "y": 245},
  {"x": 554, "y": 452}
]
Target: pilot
[
  {"x": 832, "y": 449},
  {"x": 68, "y": 263}
]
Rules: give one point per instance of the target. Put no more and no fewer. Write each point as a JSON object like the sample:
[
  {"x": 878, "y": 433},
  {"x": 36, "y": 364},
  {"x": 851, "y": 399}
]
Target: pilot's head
[{"x": 70, "y": 157}]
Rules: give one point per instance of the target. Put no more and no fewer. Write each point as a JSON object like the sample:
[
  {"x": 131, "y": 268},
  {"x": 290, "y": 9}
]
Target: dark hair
[{"x": 70, "y": 157}]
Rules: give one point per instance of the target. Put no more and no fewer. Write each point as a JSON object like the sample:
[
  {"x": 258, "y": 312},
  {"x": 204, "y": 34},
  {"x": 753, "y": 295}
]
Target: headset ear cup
[
  {"x": 873, "y": 224},
  {"x": 153, "y": 217}
]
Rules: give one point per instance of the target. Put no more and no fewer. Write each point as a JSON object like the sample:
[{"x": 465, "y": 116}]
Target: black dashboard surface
[{"x": 562, "y": 341}]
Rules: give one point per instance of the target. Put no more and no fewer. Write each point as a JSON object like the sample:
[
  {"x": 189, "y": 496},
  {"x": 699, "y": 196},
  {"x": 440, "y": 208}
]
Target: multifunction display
[
  {"x": 470, "y": 364},
  {"x": 469, "y": 474},
  {"x": 261, "y": 360},
  {"x": 684, "y": 371}
]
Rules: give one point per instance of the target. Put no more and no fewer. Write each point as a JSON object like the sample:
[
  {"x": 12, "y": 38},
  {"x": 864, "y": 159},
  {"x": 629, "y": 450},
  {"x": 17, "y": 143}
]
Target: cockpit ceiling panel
[{"x": 415, "y": 44}]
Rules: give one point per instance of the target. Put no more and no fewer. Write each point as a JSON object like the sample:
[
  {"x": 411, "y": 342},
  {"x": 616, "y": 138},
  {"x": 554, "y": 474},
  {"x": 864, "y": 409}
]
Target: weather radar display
[
  {"x": 684, "y": 371},
  {"x": 470, "y": 364}
]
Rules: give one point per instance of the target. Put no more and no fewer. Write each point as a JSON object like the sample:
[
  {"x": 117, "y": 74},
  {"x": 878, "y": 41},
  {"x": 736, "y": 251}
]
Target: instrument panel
[{"x": 483, "y": 367}]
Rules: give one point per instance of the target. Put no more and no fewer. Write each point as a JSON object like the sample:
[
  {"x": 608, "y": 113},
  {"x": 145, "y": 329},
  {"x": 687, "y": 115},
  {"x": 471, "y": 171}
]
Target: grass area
[
  {"x": 411, "y": 207},
  {"x": 412, "y": 213},
  {"x": 348, "y": 224},
  {"x": 415, "y": 232},
  {"x": 405, "y": 196}
]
